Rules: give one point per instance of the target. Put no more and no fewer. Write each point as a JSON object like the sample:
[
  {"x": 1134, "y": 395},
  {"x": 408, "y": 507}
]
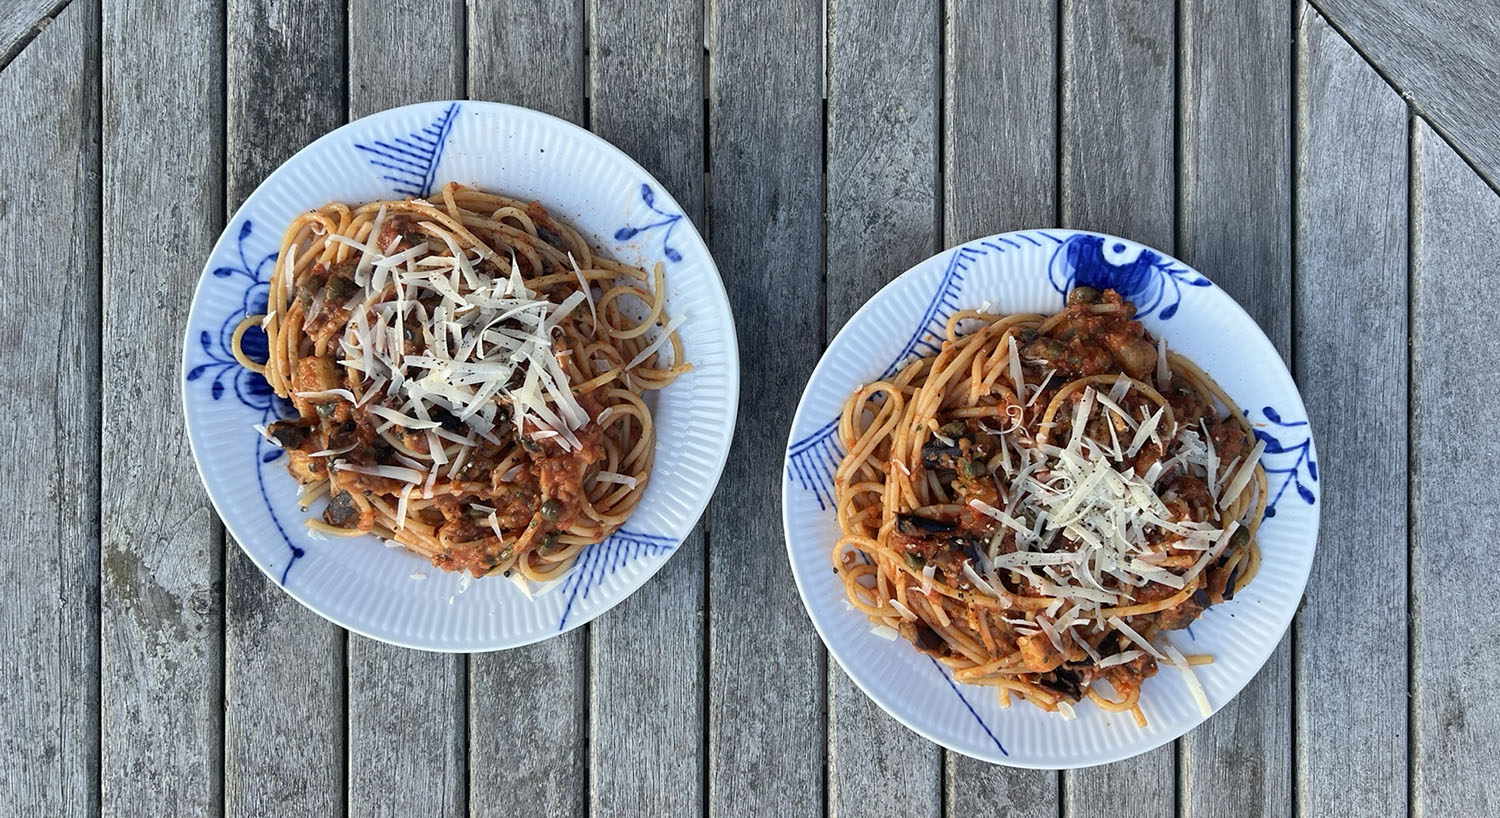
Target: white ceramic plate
[
  {"x": 413, "y": 151},
  {"x": 1031, "y": 271}
]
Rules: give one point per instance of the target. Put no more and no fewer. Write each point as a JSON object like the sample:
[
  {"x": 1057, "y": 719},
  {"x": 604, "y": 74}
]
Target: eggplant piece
[
  {"x": 341, "y": 510},
  {"x": 1136, "y": 356},
  {"x": 1067, "y": 682},
  {"x": 1083, "y": 295},
  {"x": 940, "y": 456},
  {"x": 289, "y": 433},
  {"x": 547, "y": 234},
  {"x": 913, "y": 526},
  {"x": 1186, "y": 611},
  {"x": 446, "y": 419},
  {"x": 929, "y": 642},
  {"x": 971, "y": 548},
  {"x": 342, "y": 434},
  {"x": 1048, "y": 352},
  {"x": 1229, "y": 583}
]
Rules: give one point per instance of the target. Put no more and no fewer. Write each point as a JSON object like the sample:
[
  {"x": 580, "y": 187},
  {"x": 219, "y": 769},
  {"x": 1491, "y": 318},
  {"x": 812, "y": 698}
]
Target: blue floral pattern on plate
[
  {"x": 250, "y": 388},
  {"x": 1286, "y": 460},
  {"x": 1145, "y": 278},
  {"x": 410, "y": 162},
  {"x": 599, "y": 561},
  {"x": 667, "y": 223}
]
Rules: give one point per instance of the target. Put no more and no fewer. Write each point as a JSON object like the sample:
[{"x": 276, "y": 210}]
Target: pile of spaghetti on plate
[
  {"x": 1037, "y": 502},
  {"x": 468, "y": 377}
]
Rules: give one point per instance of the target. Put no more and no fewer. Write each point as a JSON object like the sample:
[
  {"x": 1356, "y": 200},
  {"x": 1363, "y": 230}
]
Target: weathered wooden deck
[{"x": 147, "y": 668}]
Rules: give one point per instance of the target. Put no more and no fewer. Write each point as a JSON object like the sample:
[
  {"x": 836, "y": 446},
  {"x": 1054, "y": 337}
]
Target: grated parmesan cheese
[
  {"x": 906, "y": 613},
  {"x": 615, "y": 477},
  {"x": 1194, "y": 686},
  {"x": 885, "y": 632}
]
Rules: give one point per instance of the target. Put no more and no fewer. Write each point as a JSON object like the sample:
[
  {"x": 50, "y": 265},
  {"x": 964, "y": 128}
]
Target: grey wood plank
[
  {"x": 545, "y": 685},
  {"x": 884, "y": 64},
  {"x": 1118, "y": 118},
  {"x": 1118, "y": 123},
  {"x": 647, "y": 664},
  {"x": 161, "y": 587},
  {"x": 766, "y": 740},
  {"x": 23, "y": 20},
  {"x": 407, "y": 710},
  {"x": 430, "y": 36},
  {"x": 980, "y": 789},
  {"x": 1000, "y": 117},
  {"x": 528, "y": 729},
  {"x": 284, "y": 693},
  {"x": 1000, "y": 173},
  {"x": 550, "y": 34},
  {"x": 1234, "y": 224},
  {"x": 50, "y": 370},
  {"x": 1456, "y": 718},
  {"x": 1444, "y": 58},
  {"x": 1352, "y": 237}
]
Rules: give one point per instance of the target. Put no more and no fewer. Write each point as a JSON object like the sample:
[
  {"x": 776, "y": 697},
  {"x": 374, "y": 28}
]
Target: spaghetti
[
  {"x": 468, "y": 378},
  {"x": 1035, "y": 504}
]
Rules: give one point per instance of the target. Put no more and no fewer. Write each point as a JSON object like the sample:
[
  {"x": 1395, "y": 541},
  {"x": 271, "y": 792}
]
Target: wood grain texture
[
  {"x": 1443, "y": 56},
  {"x": 23, "y": 20},
  {"x": 766, "y": 739},
  {"x": 284, "y": 694},
  {"x": 974, "y": 788},
  {"x": 999, "y": 117},
  {"x": 1118, "y": 124},
  {"x": 999, "y": 173},
  {"x": 1234, "y": 224},
  {"x": 1118, "y": 118},
  {"x": 528, "y": 730},
  {"x": 1456, "y": 718},
  {"x": 430, "y": 36},
  {"x": 647, "y": 699},
  {"x": 161, "y": 554},
  {"x": 546, "y": 36},
  {"x": 536, "y": 696},
  {"x": 49, "y": 372},
  {"x": 407, "y": 718},
  {"x": 1352, "y": 237},
  {"x": 884, "y": 72},
  {"x": 408, "y": 724}
]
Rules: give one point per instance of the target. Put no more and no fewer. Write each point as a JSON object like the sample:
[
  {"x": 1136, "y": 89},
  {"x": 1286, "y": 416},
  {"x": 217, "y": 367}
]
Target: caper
[
  {"x": 337, "y": 288},
  {"x": 551, "y": 510},
  {"x": 1083, "y": 295},
  {"x": 1049, "y": 350},
  {"x": 326, "y": 409},
  {"x": 548, "y": 545},
  {"x": 1028, "y": 335},
  {"x": 1241, "y": 538},
  {"x": 975, "y": 468},
  {"x": 953, "y": 428},
  {"x": 915, "y": 561}
]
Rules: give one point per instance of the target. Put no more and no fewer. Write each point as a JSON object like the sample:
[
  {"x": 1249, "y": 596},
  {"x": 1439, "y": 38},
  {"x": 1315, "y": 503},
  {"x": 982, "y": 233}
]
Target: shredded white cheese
[
  {"x": 1194, "y": 686},
  {"x": 661, "y": 340},
  {"x": 906, "y": 613},
  {"x": 885, "y": 632}
]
